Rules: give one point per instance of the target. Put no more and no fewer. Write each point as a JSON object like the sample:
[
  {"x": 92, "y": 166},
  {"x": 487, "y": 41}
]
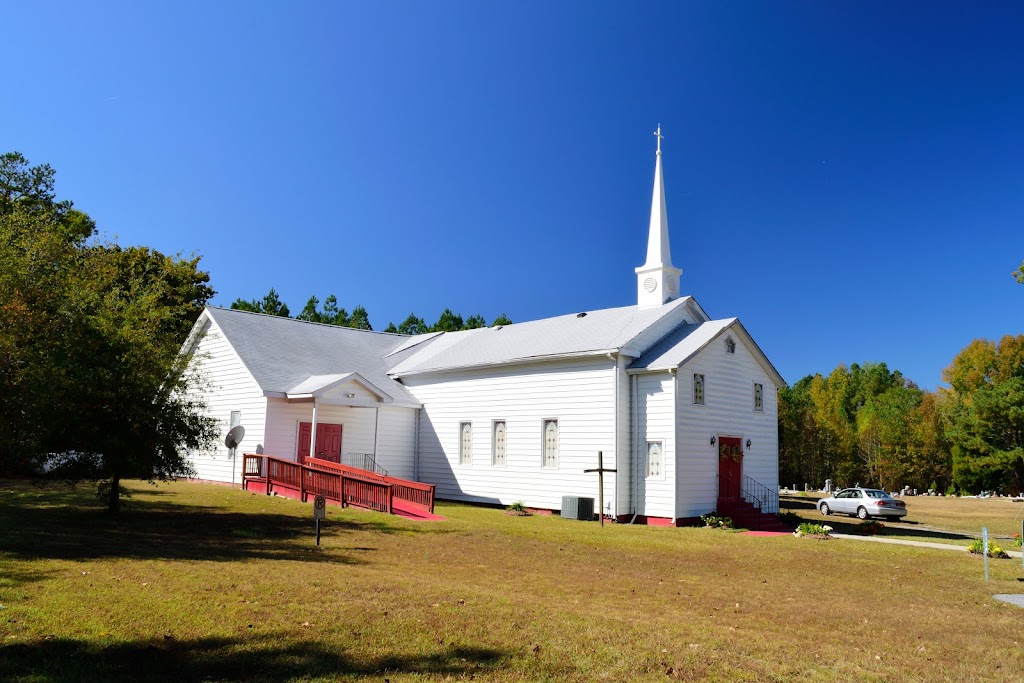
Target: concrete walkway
[{"x": 919, "y": 544}]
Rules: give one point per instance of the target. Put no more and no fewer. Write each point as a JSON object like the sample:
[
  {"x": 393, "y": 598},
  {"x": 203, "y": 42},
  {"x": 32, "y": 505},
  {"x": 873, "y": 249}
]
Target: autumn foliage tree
[
  {"x": 985, "y": 408},
  {"x": 862, "y": 424}
]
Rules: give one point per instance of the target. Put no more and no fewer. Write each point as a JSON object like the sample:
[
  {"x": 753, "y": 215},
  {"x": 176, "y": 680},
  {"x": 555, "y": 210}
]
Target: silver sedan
[{"x": 863, "y": 503}]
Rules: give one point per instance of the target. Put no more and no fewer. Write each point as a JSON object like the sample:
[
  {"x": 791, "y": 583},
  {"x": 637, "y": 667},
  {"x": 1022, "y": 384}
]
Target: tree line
[
  {"x": 331, "y": 314},
  {"x": 867, "y": 424}
]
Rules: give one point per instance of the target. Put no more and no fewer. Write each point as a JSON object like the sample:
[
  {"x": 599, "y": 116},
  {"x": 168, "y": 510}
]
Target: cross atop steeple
[{"x": 660, "y": 137}]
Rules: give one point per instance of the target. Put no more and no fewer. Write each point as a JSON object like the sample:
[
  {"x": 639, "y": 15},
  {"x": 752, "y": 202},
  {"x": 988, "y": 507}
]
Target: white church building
[{"x": 682, "y": 406}]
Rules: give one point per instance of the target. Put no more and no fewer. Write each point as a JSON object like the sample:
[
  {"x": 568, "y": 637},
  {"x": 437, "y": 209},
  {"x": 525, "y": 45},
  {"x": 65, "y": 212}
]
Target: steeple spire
[{"x": 658, "y": 279}]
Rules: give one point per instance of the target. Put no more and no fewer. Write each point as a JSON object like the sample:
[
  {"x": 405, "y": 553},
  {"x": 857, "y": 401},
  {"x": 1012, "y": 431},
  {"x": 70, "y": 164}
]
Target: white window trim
[
  {"x": 494, "y": 443},
  {"x": 753, "y": 397},
  {"x": 463, "y": 462},
  {"x": 693, "y": 387},
  {"x": 544, "y": 443},
  {"x": 647, "y": 464}
]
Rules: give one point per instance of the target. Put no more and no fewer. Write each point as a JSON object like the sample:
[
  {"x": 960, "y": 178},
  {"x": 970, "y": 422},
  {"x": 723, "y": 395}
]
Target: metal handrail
[
  {"x": 368, "y": 463},
  {"x": 759, "y": 495}
]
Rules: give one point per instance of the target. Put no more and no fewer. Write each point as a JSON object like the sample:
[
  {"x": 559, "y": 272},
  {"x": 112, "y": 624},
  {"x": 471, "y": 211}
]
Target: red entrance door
[
  {"x": 730, "y": 466},
  {"x": 328, "y": 441}
]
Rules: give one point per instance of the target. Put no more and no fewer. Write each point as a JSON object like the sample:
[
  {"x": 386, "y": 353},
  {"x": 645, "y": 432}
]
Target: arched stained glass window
[
  {"x": 655, "y": 459},
  {"x": 465, "y": 443},
  {"x": 498, "y": 441},
  {"x": 550, "y": 443}
]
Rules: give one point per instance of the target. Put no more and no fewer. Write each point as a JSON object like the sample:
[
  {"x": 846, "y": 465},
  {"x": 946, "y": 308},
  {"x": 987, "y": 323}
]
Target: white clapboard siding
[
  {"x": 580, "y": 394},
  {"x": 728, "y": 410},
  {"x": 228, "y": 386},
  {"x": 655, "y": 495},
  {"x": 395, "y": 441}
]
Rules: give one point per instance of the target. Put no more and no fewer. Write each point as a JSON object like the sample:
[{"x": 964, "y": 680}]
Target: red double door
[
  {"x": 730, "y": 466},
  {"x": 328, "y": 441}
]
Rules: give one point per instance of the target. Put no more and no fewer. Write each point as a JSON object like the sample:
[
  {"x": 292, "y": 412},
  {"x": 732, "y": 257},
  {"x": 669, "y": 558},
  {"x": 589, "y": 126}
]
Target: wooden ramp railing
[{"x": 341, "y": 484}]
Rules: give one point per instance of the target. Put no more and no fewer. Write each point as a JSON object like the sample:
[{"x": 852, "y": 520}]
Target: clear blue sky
[{"x": 847, "y": 178}]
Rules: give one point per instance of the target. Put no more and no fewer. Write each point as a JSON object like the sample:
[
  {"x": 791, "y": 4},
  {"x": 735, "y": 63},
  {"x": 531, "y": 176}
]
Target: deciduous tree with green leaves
[{"x": 92, "y": 384}]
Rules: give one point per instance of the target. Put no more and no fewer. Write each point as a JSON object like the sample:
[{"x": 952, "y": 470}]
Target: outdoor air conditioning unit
[{"x": 574, "y": 507}]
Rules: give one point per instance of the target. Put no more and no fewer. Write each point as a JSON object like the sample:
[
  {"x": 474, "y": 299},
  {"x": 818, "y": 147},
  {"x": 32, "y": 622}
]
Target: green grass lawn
[{"x": 204, "y": 583}]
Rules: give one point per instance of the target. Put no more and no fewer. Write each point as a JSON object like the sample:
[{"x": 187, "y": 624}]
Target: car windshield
[{"x": 876, "y": 494}]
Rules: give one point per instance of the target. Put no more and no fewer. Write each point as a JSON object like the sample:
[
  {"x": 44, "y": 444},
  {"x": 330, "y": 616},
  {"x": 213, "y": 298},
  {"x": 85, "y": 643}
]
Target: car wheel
[
  {"x": 824, "y": 509},
  {"x": 862, "y": 513}
]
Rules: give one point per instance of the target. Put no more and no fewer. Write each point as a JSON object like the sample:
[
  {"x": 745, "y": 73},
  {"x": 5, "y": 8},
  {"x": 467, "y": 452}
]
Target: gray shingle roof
[
  {"x": 609, "y": 329},
  {"x": 682, "y": 344},
  {"x": 282, "y": 353},
  {"x": 687, "y": 340}
]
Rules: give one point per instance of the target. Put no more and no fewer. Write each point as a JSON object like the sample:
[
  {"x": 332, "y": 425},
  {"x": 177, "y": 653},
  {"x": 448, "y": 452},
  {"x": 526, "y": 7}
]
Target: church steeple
[{"x": 657, "y": 281}]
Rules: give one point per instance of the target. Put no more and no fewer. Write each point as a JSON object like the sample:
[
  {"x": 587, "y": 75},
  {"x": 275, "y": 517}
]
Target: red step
[{"x": 746, "y": 516}]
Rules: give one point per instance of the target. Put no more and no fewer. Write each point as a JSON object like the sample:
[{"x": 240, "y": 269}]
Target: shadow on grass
[
  {"x": 852, "y": 525},
  {"x": 797, "y": 503},
  {"x": 255, "y": 658},
  {"x": 58, "y": 523}
]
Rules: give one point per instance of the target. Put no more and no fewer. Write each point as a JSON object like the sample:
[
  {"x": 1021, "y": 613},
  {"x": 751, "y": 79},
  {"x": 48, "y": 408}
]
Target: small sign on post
[
  {"x": 984, "y": 548},
  {"x": 319, "y": 512}
]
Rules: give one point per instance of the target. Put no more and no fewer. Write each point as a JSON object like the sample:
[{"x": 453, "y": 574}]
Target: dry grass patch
[{"x": 199, "y": 582}]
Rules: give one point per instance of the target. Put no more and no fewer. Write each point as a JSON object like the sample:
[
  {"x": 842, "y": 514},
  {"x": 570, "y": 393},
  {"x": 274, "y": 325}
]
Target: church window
[
  {"x": 759, "y": 398},
  {"x": 550, "y": 443},
  {"x": 465, "y": 443},
  {"x": 730, "y": 345},
  {"x": 698, "y": 390},
  {"x": 655, "y": 459},
  {"x": 498, "y": 443}
]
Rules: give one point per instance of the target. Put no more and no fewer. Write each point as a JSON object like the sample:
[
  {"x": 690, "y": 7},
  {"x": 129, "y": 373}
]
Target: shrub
[
  {"x": 1016, "y": 541},
  {"x": 790, "y": 518},
  {"x": 993, "y": 549},
  {"x": 816, "y": 530},
  {"x": 517, "y": 509},
  {"x": 871, "y": 527},
  {"x": 716, "y": 521}
]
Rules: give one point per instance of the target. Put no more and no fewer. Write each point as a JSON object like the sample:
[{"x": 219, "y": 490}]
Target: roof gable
[
  {"x": 687, "y": 341},
  {"x": 283, "y": 353}
]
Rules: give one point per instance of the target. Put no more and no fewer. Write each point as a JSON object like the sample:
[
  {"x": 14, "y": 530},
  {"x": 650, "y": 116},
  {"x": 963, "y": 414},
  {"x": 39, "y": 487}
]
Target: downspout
[
  {"x": 675, "y": 441},
  {"x": 416, "y": 448},
  {"x": 615, "y": 431},
  {"x": 376, "y": 423},
  {"x": 312, "y": 432},
  {"x": 635, "y": 429}
]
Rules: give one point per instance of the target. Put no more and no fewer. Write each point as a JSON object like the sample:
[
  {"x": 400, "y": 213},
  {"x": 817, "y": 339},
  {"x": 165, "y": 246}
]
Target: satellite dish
[{"x": 234, "y": 437}]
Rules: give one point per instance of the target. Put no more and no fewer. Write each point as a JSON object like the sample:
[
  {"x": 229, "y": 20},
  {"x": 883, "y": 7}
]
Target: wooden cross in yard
[{"x": 600, "y": 484}]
